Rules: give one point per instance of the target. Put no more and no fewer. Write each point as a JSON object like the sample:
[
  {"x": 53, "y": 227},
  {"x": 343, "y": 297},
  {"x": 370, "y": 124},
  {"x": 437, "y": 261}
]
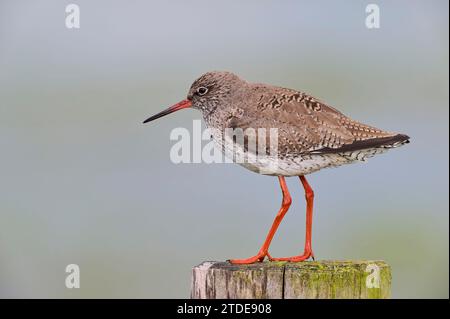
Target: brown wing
[{"x": 306, "y": 125}]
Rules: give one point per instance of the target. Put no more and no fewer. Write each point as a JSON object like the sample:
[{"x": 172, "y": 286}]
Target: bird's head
[{"x": 206, "y": 93}]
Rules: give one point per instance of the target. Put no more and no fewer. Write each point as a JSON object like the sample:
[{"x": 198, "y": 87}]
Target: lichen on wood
[{"x": 278, "y": 280}]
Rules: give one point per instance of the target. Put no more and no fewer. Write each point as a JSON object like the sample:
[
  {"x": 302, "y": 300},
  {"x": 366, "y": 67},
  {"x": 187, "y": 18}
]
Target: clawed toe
[
  {"x": 305, "y": 256},
  {"x": 257, "y": 258}
]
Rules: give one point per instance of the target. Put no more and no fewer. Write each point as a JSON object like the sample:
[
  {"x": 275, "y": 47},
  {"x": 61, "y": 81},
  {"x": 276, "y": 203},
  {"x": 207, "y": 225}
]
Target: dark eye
[{"x": 202, "y": 90}]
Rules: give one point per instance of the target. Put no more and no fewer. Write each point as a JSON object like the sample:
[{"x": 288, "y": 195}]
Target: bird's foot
[
  {"x": 307, "y": 254},
  {"x": 257, "y": 258}
]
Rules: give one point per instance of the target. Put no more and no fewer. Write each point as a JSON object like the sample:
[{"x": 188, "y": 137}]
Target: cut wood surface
[{"x": 328, "y": 279}]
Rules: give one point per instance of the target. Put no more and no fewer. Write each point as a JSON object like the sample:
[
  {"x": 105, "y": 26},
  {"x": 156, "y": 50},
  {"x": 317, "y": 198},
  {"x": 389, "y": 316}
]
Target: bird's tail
[{"x": 394, "y": 141}]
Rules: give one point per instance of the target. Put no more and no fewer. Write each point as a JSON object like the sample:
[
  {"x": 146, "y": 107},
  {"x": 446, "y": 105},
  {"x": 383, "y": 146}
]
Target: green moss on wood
[{"x": 309, "y": 279}]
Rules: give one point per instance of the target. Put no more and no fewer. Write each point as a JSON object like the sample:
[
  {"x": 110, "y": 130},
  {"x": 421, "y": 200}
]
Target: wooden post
[{"x": 280, "y": 280}]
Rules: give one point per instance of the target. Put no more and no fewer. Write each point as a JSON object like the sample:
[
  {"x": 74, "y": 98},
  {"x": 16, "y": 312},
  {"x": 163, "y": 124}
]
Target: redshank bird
[{"x": 311, "y": 135}]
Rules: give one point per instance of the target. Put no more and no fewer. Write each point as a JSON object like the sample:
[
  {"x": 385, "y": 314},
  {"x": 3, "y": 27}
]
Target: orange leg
[
  {"x": 309, "y": 194},
  {"x": 263, "y": 252}
]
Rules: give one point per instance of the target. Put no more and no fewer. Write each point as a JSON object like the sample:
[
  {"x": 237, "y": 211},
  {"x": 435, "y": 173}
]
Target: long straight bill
[{"x": 180, "y": 105}]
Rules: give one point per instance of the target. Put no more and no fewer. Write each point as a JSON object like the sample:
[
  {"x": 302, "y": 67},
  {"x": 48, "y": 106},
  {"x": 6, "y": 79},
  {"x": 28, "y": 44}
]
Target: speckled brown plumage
[{"x": 307, "y": 127}]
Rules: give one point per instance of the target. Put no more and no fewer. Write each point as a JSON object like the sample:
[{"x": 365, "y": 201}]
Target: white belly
[
  {"x": 290, "y": 165},
  {"x": 293, "y": 166}
]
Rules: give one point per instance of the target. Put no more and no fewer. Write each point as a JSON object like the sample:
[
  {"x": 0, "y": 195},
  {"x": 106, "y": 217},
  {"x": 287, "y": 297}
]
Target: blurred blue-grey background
[{"x": 83, "y": 181}]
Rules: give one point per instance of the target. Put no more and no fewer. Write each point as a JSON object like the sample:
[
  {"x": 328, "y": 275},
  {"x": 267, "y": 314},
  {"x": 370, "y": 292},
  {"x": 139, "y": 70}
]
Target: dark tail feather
[{"x": 382, "y": 142}]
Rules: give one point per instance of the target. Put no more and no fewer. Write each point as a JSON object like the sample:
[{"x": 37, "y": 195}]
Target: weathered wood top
[{"x": 310, "y": 279}]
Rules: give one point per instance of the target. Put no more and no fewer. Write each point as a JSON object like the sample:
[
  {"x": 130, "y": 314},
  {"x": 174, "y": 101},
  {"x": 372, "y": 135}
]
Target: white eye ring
[{"x": 202, "y": 90}]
